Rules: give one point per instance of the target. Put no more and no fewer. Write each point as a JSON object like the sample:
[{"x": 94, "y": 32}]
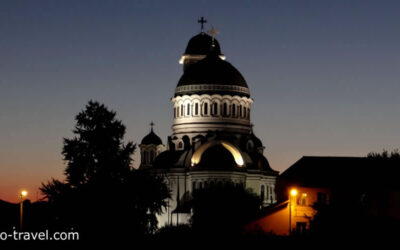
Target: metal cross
[
  {"x": 213, "y": 32},
  {"x": 202, "y": 21},
  {"x": 152, "y": 125}
]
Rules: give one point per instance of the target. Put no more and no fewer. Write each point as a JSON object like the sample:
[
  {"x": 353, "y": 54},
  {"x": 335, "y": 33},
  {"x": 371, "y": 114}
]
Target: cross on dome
[
  {"x": 202, "y": 21},
  {"x": 213, "y": 32},
  {"x": 151, "y": 125}
]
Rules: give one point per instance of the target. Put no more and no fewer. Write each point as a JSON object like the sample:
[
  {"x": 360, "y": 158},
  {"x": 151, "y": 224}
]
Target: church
[{"x": 212, "y": 141}]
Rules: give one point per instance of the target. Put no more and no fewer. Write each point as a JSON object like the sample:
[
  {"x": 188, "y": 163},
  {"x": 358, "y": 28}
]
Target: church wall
[
  {"x": 182, "y": 184},
  {"x": 257, "y": 182}
]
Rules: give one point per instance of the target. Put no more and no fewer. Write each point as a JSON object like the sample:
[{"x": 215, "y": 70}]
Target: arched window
[
  {"x": 244, "y": 112},
  {"x": 180, "y": 145},
  {"x": 240, "y": 111},
  {"x": 194, "y": 186},
  {"x": 182, "y": 111},
  {"x": 248, "y": 113},
  {"x": 267, "y": 192},
  {"x": 146, "y": 157},
  {"x": 188, "y": 109},
  {"x": 262, "y": 193},
  {"x": 215, "y": 108},
  {"x": 212, "y": 184},
  {"x": 200, "y": 185},
  {"x": 151, "y": 156},
  {"x": 233, "y": 110},
  {"x": 205, "y": 108},
  {"x": 196, "y": 109},
  {"x": 225, "y": 109}
]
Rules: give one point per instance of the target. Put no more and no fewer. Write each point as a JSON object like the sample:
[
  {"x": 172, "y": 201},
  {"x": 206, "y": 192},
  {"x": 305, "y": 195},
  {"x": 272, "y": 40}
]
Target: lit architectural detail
[{"x": 232, "y": 149}]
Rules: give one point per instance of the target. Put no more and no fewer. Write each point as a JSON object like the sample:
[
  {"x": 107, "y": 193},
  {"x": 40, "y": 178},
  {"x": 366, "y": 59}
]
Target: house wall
[
  {"x": 276, "y": 223},
  {"x": 299, "y": 209}
]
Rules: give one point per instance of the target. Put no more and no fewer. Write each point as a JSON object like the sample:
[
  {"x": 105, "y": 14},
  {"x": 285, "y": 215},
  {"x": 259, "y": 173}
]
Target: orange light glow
[
  {"x": 24, "y": 193},
  {"x": 293, "y": 192}
]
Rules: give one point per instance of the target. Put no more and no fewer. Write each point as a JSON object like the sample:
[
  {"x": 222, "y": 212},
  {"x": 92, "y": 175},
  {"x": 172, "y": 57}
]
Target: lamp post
[
  {"x": 292, "y": 194},
  {"x": 21, "y": 208}
]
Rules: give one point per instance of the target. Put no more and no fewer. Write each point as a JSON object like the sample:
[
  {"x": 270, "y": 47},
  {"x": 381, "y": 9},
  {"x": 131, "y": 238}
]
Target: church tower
[
  {"x": 150, "y": 147},
  {"x": 212, "y": 140}
]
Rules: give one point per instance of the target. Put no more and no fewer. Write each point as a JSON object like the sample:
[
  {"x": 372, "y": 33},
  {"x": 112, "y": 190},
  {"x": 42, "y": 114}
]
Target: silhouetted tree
[
  {"x": 97, "y": 151},
  {"x": 103, "y": 194},
  {"x": 395, "y": 154},
  {"x": 222, "y": 211}
]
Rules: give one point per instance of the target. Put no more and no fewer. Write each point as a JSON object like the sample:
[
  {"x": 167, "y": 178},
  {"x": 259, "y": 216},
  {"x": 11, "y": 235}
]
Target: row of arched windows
[
  {"x": 206, "y": 109},
  {"x": 206, "y": 184}
]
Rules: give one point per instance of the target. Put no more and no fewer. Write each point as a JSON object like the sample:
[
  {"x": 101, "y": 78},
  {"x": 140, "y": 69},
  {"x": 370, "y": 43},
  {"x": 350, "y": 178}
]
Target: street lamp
[
  {"x": 22, "y": 195},
  {"x": 293, "y": 194}
]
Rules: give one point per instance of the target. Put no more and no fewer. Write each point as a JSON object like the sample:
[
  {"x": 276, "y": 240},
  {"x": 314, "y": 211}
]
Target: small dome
[
  {"x": 215, "y": 76},
  {"x": 151, "y": 138},
  {"x": 201, "y": 44}
]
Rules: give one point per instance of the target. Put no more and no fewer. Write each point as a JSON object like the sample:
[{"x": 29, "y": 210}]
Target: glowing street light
[
  {"x": 22, "y": 195},
  {"x": 293, "y": 193}
]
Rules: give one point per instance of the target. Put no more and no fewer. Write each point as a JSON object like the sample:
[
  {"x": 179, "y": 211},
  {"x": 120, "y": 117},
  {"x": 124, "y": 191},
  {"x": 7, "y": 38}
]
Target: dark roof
[
  {"x": 151, "y": 138},
  {"x": 217, "y": 158},
  {"x": 257, "y": 142},
  {"x": 260, "y": 162},
  {"x": 212, "y": 70},
  {"x": 201, "y": 44},
  {"x": 314, "y": 171},
  {"x": 167, "y": 159}
]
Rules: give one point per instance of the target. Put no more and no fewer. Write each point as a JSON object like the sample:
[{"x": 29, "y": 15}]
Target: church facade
[{"x": 212, "y": 141}]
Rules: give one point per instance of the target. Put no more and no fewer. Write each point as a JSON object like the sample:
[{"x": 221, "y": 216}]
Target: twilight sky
[{"x": 324, "y": 75}]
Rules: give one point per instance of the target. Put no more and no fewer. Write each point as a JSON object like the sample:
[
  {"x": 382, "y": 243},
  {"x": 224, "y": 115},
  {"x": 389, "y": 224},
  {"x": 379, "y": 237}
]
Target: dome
[
  {"x": 201, "y": 44},
  {"x": 167, "y": 159},
  {"x": 212, "y": 75},
  {"x": 151, "y": 138},
  {"x": 217, "y": 157}
]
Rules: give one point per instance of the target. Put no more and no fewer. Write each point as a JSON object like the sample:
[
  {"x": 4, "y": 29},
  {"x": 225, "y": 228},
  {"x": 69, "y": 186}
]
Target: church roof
[
  {"x": 257, "y": 142},
  {"x": 151, "y": 138},
  {"x": 214, "y": 75},
  {"x": 260, "y": 162},
  {"x": 201, "y": 44}
]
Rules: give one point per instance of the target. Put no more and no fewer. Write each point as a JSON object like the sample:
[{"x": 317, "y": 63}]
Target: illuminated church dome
[
  {"x": 212, "y": 138},
  {"x": 212, "y": 75}
]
